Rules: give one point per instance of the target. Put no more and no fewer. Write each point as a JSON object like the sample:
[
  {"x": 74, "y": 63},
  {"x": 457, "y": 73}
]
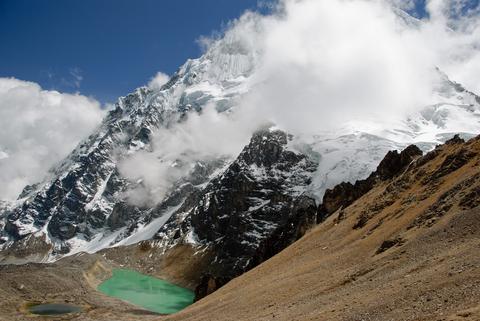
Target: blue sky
[
  {"x": 107, "y": 48},
  {"x": 114, "y": 46}
]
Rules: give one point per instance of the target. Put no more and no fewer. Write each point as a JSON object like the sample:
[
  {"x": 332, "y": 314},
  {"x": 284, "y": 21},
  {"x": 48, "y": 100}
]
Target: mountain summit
[{"x": 83, "y": 203}]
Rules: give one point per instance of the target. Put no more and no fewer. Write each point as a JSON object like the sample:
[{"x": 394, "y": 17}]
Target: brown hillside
[{"x": 409, "y": 249}]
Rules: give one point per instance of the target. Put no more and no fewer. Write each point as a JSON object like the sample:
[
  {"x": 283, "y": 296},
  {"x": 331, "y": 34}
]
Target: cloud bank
[
  {"x": 38, "y": 128},
  {"x": 175, "y": 150},
  {"x": 319, "y": 65}
]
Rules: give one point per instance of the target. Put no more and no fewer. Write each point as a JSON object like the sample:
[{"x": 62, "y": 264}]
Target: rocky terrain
[{"x": 405, "y": 250}]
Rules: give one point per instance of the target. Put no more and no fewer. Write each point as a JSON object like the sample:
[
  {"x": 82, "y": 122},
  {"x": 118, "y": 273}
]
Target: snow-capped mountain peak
[{"x": 83, "y": 204}]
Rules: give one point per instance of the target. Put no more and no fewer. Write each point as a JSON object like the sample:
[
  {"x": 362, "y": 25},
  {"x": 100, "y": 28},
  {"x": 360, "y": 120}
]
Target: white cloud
[
  {"x": 318, "y": 65},
  {"x": 176, "y": 149},
  {"x": 37, "y": 129},
  {"x": 324, "y": 62},
  {"x": 158, "y": 80}
]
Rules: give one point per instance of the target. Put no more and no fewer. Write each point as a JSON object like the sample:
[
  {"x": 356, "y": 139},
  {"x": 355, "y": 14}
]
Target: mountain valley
[{"x": 370, "y": 215}]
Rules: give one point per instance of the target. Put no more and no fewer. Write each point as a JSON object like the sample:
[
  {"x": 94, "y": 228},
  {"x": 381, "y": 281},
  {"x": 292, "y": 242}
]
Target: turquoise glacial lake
[{"x": 150, "y": 293}]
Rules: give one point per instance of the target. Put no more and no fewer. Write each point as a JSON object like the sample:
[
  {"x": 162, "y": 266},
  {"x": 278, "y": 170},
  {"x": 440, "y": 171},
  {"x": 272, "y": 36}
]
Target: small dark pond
[{"x": 53, "y": 309}]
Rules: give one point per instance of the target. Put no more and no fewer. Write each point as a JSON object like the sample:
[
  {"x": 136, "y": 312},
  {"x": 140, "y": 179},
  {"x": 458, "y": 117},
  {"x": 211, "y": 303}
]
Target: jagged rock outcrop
[
  {"x": 456, "y": 139},
  {"x": 251, "y": 211},
  {"x": 346, "y": 193}
]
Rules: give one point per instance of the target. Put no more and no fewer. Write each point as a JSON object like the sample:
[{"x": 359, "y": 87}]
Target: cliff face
[
  {"x": 246, "y": 218},
  {"x": 250, "y": 212},
  {"x": 407, "y": 249}
]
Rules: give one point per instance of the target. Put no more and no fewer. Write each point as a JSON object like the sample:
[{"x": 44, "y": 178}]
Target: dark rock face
[
  {"x": 63, "y": 203},
  {"x": 252, "y": 211},
  {"x": 345, "y": 194},
  {"x": 395, "y": 162},
  {"x": 248, "y": 215},
  {"x": 122, "y": 214}
]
